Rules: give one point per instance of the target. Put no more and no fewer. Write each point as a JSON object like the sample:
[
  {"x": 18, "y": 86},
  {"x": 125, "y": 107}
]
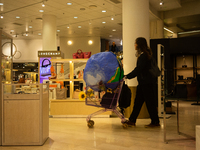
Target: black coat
[{"x": 141, "y": 71}]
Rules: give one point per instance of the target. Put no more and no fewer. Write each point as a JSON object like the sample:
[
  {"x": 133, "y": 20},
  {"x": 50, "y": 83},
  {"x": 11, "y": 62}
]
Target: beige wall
[
  {"x": 79, "y": 43},
  {"x": 28, "y": 49}
]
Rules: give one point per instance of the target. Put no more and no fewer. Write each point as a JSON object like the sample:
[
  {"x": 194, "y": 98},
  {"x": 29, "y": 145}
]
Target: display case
[
  {"x": 25, "y": 114},
  {"x": 72, "y": 80}
]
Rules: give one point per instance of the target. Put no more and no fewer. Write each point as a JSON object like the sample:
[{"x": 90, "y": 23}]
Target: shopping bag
[
  {"x": 87, "y": 54},
  {"x": 125, "y": 96},
  {"x": 61, "y": 93},
  {"x": 78, "y": 54},
  {"x": 76, "y": 94},
  {"x": 109, "y": 100}
]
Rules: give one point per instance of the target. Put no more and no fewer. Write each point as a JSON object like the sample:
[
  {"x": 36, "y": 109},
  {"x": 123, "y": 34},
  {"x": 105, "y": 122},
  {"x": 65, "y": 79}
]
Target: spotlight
[
  {"x": 43, "y": 5},
  {"x": 161, "y": 3},
  {"x": 1, "y": 16}
]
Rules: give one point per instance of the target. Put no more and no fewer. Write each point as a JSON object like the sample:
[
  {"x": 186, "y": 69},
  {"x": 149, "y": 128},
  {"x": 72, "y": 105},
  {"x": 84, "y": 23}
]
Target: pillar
[
  {"x": 156, "y": 29},
  {"x": 49, "y": 40},
  {"x": 135, "y": 14}
]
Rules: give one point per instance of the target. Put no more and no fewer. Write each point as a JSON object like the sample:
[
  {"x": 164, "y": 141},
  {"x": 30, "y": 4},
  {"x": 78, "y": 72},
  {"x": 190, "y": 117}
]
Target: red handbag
[
  {"x": 87, "y": 54},
  {"x": 78, "y": 54}
]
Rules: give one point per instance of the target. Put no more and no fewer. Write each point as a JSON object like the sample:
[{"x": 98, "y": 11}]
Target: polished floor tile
[{"x": 108, "y": 133}]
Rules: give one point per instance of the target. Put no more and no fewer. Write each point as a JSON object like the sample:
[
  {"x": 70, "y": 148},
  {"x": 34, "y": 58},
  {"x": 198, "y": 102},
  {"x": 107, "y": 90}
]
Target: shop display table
[
  {"x": 25, "y": 116},
  {"x": 177, "y": 100}
]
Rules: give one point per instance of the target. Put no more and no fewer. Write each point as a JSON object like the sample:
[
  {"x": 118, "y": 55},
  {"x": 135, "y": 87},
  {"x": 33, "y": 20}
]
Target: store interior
[{"x": 41, "y": 81}]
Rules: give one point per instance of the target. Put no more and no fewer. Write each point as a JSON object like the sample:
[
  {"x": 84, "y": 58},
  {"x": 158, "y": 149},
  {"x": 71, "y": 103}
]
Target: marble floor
[{"x": 108, "y": 133}]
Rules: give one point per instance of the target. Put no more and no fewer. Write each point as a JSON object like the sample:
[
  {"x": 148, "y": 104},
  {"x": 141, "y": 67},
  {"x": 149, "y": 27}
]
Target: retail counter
[{"x": 25, "y": 114}]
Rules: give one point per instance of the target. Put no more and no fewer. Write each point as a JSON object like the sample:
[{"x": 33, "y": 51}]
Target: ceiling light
[
  {"x": 103, "y": 22},
  {"x": 1, "y": 16},
  {"x": 161, "y": 2},
  {"x": 114, "y": 30},
  {"x": 41, "y": 10},
  {"x": 79, "y": 26},
  {"x": 1, "y": 4},
  {"x": 75, "y": 17},
  {"x": 26, "y": 34},
  {"x": 90, "y": 42},
  {"x": 17, "y": 17},
  {"x": 69, "y": 3},
  {"x": 110, "y": 36},
  {"x": 11, "y": 30},
  {"x": 39, "y": 33},
  {"x": 58, "y": 30},
  {"x": 69, "y": 42},
  {"x": 43, "y": 5},
  {"x": 68, "y": 27},
  {"x": 30, "y": 27},
  {"x": 103, "y": 11},
  {"x": 112, "y": 18},
  {"x": 168, "y": 30}
]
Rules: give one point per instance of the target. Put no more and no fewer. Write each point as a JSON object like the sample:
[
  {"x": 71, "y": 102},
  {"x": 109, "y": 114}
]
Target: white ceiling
[{"x": 28, "y": 10}]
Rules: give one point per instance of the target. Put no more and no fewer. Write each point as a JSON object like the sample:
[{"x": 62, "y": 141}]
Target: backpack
[
  {"x": 154, "y": 70},
  {"x": 125, "y": 97}
]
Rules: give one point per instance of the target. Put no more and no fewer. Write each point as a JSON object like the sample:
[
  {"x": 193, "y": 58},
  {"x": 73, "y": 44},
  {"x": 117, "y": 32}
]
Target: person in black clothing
[
  {"x": 146, "y": 84},
  {"x": 114, "y": 48}
]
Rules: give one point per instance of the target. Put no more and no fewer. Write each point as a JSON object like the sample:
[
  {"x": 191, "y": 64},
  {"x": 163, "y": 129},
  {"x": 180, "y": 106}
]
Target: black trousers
[{"x": 145, "y": 93}]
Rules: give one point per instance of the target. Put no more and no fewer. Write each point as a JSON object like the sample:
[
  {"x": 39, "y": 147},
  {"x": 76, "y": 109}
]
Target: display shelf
[
  {"x": 68, "y": 60},
  {"x": 186, "y": 68},
  {"x": 67, "y": 80}
]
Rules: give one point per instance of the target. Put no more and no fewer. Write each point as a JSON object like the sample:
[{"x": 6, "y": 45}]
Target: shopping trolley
[{"x": 103, "y": 96}]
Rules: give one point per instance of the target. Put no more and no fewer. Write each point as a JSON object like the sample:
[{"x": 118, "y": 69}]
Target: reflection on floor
[{"x": 108, "y": 134}]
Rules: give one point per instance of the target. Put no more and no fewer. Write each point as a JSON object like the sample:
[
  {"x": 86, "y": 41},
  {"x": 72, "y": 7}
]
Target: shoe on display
[
  {"x": 129, "y": 123},
  {"x": 151, "y": 125}
]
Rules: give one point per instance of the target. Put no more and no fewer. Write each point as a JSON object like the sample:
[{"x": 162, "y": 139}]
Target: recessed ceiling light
[
  {"x": 39, "y": 33},
  {"x": 58, "y": 30},
  {"x": 103, "y": 22},
  {"x": 114, "y": 30},
  {"x": 1, "y": 4},
  {"x": 41, "y": 10},
  {"x": 103, "y": 11},
  {"x": 30, "y": 27},
  {"x": 112, "y": 18},
  {"x": 75, "y": 17},
  {"x": 79, "y": 26},
  {"x": 17, "y": 17},
  {"x": 69, "y": 3},
  {"x": 11, "y": 30},
  {"x": 1, "y": 16},
  {"x": 110, "y": 35}
]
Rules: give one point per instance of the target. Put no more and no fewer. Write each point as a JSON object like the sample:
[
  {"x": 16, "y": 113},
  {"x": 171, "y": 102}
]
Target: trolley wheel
[
  {"x": 125, "y": 125},
  {"x": 90, "y": 123}
]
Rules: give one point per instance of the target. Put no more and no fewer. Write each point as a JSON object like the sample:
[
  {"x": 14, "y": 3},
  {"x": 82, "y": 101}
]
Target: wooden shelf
[
  {"x": 66, "y": 80},
  {"x": 187, "y": 68},
  {"x": 68, "y": 60},
  {"x": 66, "y": 100},
  {"x": 183, "y": 80}
]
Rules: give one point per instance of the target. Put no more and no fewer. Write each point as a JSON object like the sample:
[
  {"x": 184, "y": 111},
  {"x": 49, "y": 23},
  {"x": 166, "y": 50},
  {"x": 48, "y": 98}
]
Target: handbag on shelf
[
  {"x": 87, "y": 54},
  {"x": 80, "y": 74},
  {"x": 61, "y": 75},
  {"x": 78, "y": 54},
  {"x": 76, "y": 94},
  {"x": 61, "y": 93}
]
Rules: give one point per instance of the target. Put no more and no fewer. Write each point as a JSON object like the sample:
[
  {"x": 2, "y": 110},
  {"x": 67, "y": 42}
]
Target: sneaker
[
  {"x": 129, "y": 123},
  {"x": 151, "y": 125}
]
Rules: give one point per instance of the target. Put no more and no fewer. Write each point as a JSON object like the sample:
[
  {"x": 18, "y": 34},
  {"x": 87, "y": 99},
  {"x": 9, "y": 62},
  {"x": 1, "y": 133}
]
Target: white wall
[
  {"x": 79, "y": 43},
  {"x": 29, "y": 50}
]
